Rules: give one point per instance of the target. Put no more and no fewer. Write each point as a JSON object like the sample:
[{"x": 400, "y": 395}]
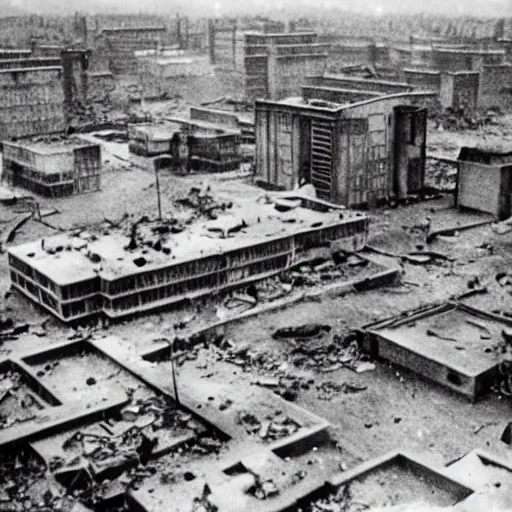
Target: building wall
[
  {"x": 290, "y": 72},
  {"x": 462, "y": 60},
  {"x": 118, "y": 47},
  {"x": 276, "y": 65},
  {"x": 336, "y": 95},
  {"x": 460, "y": 90},
  {"x": 423, "y": 80},
  {"x": 75, "y": 64},
  {"x": 100, "y": 85},
  {"x": 31, "y": 102},
  {"x": 32, "y": 62},
  {"x": 343, "y": 54},
  {"x": 344, "y": 82},
  {"x": 496, "y": 87}
]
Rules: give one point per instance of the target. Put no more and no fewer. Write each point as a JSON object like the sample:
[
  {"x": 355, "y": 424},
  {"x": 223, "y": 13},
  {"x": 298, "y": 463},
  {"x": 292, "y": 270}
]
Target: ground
[{"x": 379, "y": 410}]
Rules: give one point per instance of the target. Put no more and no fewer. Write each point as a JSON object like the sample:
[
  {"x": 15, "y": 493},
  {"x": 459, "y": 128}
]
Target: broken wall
[
  {"x": 423, "y": 80},
  {"x": 460, "y": 90}
]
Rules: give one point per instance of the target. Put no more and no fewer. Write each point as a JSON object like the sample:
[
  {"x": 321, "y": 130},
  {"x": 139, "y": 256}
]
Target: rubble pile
[
  {"x": 17, "y": 403},
  {"x": 458, "y": 120},
  {"x": 272, "y": 427},
  {"x": 324, "y": 269},
  {"x": 440, "y": 176},
  {"x": 132, "y": 436},
  {"x": 309, "y": 347},
  {"x": 337, "y": 502},
  {"x": 203, "y": 203},
  {"x": 23, "y": 485},
  {"x": 329, "y": 389}
]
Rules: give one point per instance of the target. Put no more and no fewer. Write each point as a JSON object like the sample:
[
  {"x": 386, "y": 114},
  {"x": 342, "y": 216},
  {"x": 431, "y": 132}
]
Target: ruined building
[
  {"x": 78, "y": 275},
  {"x": 485, "y": 179},
  {"x": 31, "y": 101},
  {"x": 276, "y": 64},
  {"x": 117, "y": 46},
  {"x": 355, "y": 147},
  {"x": 53, "y": 168}
]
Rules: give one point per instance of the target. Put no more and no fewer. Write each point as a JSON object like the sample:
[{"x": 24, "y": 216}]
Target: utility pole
[
  {"x": 173, "y": 367},
  {"x": 157, "y": 189}
]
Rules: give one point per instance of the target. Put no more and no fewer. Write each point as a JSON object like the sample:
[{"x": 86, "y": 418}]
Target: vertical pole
[
  {"x": 174, "y": 382},
  {"x": 178, "y": 29},
  {"x": 234, "y": 44},
  {"x": 158, "y": 190},
  {"x": 211, "y": 40}
]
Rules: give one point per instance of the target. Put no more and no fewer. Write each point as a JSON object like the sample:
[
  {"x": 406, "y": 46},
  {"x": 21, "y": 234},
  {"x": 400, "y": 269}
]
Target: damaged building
[
  {"x": 276, "y": 64},
  {"x": 193, "y": 144},
  {"x": 76, "y": 276},
  {"x": 53, "y": 168},
  {"x": 356, "y": 147},
  {"x": 32, "y": 101}
]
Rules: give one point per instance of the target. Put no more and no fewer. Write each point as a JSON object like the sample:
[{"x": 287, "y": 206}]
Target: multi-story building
[{"x": 75, "y": 277}]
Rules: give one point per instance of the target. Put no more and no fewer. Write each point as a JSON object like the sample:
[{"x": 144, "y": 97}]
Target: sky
[{"x": 491, "y": 8}]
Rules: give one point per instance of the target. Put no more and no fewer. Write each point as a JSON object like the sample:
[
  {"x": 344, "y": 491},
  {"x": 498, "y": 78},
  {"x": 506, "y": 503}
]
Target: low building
[
  {"x": 62, "y": 167},
  {"x": 153, "y": 139},
  {"x": 354, "y": 153},
  {"x": 485, "y": 180},
  {"x": 75, "y": 275}
]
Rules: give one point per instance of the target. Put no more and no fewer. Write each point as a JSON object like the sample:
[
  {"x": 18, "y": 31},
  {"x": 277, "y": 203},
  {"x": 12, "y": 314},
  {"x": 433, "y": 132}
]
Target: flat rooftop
[
  {"x": 262, "y": 222},
  {"x": 28, "y": 70},
  {"x": 332, "y": 107},
  {"x": 49, "y": 146},
  {"x": 157, "y": 132}
]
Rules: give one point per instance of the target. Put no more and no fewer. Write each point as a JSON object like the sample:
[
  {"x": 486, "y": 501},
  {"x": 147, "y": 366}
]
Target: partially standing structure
[
  {"x": 74, "y": 276},
  {"x": 485, "y": 180},
  {"x": 32, "y": 101},
  {"x": 355, "y": 147},
  {"x": 276, "y": 64},
  {"x": 53, "y": 168}
]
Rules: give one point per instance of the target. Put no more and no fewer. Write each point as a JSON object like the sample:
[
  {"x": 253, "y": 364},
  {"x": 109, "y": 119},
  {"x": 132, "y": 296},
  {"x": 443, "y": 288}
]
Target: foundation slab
[{"x": 451, "y": 344}]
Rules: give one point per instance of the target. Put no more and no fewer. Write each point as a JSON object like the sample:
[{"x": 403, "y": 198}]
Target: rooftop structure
[
  {"x": 75, "y": 276},
  {"x": 53, "y": 167}
]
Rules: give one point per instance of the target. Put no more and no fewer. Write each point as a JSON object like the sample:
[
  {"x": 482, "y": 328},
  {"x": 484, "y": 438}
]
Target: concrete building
[
  {"x": 354, "y": 153},
  {"x": 32, "y": 101},
  {"x": 191, "y": 144},
  {"x": 53, "y": 168},
  {"x": 276, "y": 64},
  {"x": 485, "y": 180},
  {"x": 117, "y": 46},
  {"x": 74, "y": 277}
]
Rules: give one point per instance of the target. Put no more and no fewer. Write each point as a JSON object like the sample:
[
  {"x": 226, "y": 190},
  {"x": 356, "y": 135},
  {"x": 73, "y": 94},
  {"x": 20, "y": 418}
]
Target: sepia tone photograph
[{"x": 255, "y": 256}]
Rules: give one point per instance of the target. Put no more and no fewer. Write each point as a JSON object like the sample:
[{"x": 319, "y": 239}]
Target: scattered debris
[
  {"x": 273, "y": 427},
  {"x": 329, "y": 389}
]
